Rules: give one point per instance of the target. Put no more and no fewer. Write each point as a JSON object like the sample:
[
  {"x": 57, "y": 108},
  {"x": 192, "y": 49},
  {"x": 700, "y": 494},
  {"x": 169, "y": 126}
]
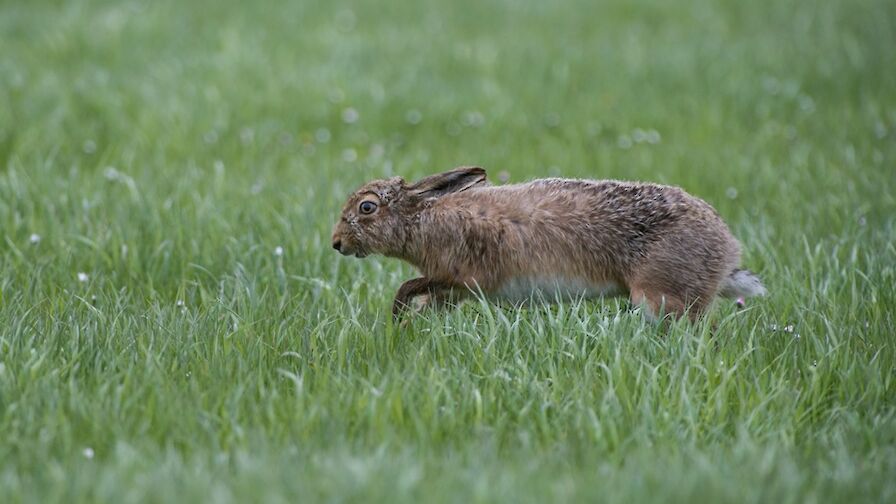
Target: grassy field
[{"x": 175, "y": 327}]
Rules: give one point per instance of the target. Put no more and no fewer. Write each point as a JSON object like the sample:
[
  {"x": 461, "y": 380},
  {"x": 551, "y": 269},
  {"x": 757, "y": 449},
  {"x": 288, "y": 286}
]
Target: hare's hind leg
[
  {"x": 656, "y": 305},
  {"x": 681, "y": 275},
  {"x": 662, "y": 295}
]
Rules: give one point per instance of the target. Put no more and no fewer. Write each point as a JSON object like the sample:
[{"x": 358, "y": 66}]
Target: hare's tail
[{"x": 742, "y": 284}]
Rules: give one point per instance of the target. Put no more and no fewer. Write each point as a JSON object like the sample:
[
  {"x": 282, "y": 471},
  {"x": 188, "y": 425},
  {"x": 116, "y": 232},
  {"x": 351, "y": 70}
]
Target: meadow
[{"x": 174, "y": 326}]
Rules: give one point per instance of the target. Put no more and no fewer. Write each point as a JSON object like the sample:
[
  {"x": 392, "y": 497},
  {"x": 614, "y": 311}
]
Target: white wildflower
[
  {"x": 413, "y": 116},
  {"x": 322, "y": 135},
  {"x": 350, "y": 115}
]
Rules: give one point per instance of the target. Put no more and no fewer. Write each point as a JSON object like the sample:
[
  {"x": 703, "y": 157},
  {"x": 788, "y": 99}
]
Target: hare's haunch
[{"x": 549, "y": 238}]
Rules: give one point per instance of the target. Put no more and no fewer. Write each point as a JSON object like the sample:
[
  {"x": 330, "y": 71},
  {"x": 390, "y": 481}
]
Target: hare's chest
[{"x": 551, "y": 288}]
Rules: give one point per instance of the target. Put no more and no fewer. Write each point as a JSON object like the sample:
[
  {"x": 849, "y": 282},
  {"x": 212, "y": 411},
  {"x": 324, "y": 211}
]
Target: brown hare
[{"x": 668, "y": 251}]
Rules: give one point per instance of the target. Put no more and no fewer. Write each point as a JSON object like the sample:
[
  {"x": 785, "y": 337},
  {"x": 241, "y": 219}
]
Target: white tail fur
[{"x": 742, "y": 283}]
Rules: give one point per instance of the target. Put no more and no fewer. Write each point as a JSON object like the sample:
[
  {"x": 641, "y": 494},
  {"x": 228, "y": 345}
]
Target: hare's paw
[{"x": 409, "y": 293}]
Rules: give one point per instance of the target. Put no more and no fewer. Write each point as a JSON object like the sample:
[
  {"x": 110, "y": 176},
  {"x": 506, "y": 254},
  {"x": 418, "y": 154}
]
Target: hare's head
[{"x": 380, "y": 216}]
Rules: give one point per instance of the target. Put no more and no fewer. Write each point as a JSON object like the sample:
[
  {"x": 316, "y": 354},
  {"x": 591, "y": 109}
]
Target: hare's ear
[{"x": 451, "y": 181}]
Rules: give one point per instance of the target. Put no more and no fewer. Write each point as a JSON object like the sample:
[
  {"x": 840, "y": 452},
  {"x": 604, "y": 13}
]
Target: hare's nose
[{"x": 337, "y": 244}]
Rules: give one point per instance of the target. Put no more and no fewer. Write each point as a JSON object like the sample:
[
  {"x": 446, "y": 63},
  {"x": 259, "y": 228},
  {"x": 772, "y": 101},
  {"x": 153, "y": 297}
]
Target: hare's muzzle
[
  {"x": 336, "y": 239},
  {"x": 343, "y": 242}
]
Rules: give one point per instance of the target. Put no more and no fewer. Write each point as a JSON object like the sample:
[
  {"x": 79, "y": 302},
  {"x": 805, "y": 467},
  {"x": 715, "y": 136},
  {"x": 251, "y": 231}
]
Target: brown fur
[{"x": 670, "y": 251}]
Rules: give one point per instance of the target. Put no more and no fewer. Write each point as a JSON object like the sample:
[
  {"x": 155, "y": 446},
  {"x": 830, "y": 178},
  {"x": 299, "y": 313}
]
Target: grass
[{"x": 166, "y": 149}]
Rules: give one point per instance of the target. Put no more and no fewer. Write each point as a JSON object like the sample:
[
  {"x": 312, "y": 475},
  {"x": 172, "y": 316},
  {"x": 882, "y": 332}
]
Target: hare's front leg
[{"x": 438, "y": 294}]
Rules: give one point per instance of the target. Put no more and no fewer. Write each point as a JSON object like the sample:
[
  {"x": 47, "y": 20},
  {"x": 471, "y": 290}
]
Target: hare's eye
[{"x": 367, "y": 207}]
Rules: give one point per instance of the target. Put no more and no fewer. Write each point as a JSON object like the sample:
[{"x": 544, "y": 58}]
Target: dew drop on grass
[
  {"x": 322, "y": 135},
  {"x": 89, "y": 147},
  {"x": 278, "y": 251},
  {"x": 806, "y": 103},
  {"x": 88, "y": 453},
  {"x": 350, "y": 115},
  {"x": 34, "y": 239},
  {"x": 413, "y": 116},
  {"x": 731, "y": 193},
  {"x": 473, "y": 119},
  {"x": 349, "y": 155},
  {"x": 83, "y": 278}
]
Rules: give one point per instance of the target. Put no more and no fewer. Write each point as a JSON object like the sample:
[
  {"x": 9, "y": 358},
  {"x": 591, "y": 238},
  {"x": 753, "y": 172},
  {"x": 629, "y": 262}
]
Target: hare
[{"x": 670, "y": 252}]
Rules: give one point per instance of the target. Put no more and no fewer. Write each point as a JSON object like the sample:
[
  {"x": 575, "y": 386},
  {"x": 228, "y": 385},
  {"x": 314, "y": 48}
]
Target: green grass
[{"x": 166, "y": 149}]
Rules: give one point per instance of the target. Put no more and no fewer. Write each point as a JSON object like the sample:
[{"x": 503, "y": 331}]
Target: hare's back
[{"x": 598, "y": 201}]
